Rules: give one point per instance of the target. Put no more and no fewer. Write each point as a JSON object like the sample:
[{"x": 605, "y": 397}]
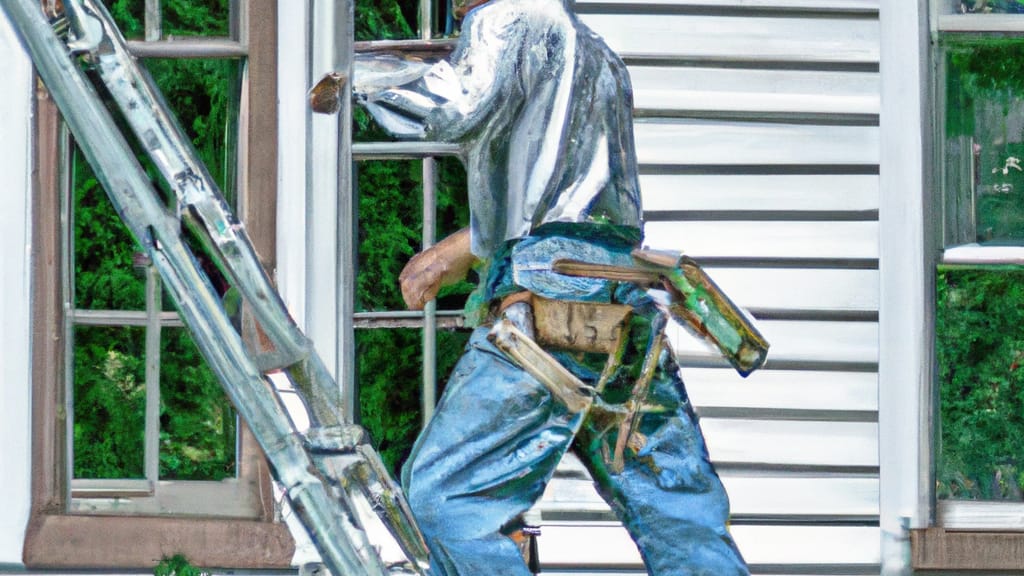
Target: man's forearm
[
  {"x": 456, "y": 251},
  {"x": 442, "y": 264}
]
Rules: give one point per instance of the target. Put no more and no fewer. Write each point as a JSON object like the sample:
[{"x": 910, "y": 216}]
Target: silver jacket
[{"x": 541, "y": 108}]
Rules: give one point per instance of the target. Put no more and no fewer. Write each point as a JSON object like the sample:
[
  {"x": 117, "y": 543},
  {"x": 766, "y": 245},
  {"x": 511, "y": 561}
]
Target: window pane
[
  {"x": 388, "y": 375},
  {"x": 106, "y": 274},
  {"x": 178, "y": 17},
  {"x": 195, "y": 17},
  {"x": 980, "y": 355},
  {"x": 204, "y": 96},
  {"x": 384, "y": 19},
  {"x": 197, "y": 422},
  {"x": 984, "y": 142},
  {"x": 390, "y": 229},
  {"x": 129, "y": 15},
  {"x": 987, "y": 6},
  {"x": 109, "y": 402}
]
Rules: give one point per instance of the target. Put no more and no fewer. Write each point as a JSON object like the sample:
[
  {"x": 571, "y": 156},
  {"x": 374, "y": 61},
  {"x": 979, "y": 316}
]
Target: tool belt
[{"x": 572, "y": 325}]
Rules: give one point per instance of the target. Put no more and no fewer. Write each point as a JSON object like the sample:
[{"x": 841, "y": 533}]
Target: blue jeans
[{"x": 496, "y": 438}]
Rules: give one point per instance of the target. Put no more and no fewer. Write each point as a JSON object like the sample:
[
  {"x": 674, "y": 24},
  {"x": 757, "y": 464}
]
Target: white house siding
[
  {"x": 758, "y": 141},
  {"x": 15, "y": 293}
]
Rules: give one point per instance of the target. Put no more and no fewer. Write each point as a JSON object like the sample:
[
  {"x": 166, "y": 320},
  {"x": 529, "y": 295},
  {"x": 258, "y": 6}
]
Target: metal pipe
[
  {"x": 188, "y": 48},
  {"x": 400, "y": 150},
  {"x": 347, "y": 219},
  {"x": 151, "y": 450},
  {"x": 426, "y": 19},
  {"x": 430, "y": 47},
  {"x": 67, "y": 257},
  {"x": 428, "y": 391},
  {"x": 154, "y": 21}
]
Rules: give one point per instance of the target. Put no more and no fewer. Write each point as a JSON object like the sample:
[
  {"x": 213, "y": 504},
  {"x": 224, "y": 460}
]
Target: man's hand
[
  {"x": 421, "y": 278},
  {"x": 445, "y": 263}
]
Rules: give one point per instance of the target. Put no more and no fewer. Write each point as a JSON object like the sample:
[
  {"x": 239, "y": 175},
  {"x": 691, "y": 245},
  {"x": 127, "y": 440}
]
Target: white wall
[{"x": 15, "y": 293}]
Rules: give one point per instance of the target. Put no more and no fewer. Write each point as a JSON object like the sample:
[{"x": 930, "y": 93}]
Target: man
[{"x": 542, "y": 110}]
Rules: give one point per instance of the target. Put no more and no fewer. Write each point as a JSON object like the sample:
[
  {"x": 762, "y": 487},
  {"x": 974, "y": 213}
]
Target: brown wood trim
[
  {"x": 88, "y": 542},
  {"x": 48, "y": 414},
  {"x": 258, "y": 183},
  {"x": 258, "y": 132},
  {"x": 941, "y": 549}
]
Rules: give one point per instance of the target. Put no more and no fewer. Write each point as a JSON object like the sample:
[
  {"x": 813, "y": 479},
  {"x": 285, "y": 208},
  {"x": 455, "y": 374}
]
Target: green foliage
[
  {"x": 177, "y": 565},
  {"x": 197, "y": 421},
  {"x": 983, "y": 147},
  {"x": 383, "y": 19},
  {"x": 110, "y": 402},
  {"x": 980, "y": 356},
  {"x": 980, "y": 68},
  {"x": 179, "y": 17},
  {"x": 105, "y": 277}
]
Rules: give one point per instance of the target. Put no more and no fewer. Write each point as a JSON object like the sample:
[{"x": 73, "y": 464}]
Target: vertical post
[
  {"x": 426, "y": 19},
  {"x": 347, "y": 225},
  {"x": 428, "y": 392},
  {"x": 906, "y": 259},
  {"x": 153, "y": 21},
  {"x": 151, "y": 450},
  {"x": 330, "y": 226},
  {"x": 67, "y": 265}
]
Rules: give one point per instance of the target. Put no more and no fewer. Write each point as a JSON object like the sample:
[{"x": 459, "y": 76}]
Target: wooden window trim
[
  {"x": 56, "y": 539},
  {"x": 944, "y": 549}
]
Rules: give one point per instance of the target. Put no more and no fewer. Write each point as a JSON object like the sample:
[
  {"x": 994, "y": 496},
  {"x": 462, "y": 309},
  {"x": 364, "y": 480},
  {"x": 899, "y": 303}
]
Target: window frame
[
  {"x": 959, "y": 534},
  {"x": 966, "y": 514},
  {"x": 60, "y": 533}
]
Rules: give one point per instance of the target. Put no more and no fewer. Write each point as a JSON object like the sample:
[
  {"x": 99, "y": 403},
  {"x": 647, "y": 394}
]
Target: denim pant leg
[
  {"x": 668, "y": 495},
  {"x": 484, "y": 458}
]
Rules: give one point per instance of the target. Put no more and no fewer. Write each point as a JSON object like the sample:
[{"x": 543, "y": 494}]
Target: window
[
  {"x": 125, "y": 498},
  {"x": 981, "y": 143},
  {"x": 979, "y": 284},
  {"x": 145, "y": 412}
]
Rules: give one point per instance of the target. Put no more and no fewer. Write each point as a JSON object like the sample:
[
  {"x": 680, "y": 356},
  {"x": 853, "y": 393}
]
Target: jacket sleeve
[{"x": 447, "y": 100}]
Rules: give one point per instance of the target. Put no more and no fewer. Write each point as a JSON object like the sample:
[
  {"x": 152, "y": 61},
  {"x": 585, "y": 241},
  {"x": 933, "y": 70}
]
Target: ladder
[{"x": 332, "y": 476}]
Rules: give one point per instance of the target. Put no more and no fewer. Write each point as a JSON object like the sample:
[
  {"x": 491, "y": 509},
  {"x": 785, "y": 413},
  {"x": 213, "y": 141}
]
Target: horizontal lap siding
[
  {"x": 757, "y": 137},
  {"x": 666, "y": 37},
  {"x": 680, "y": 144},
  {"x": 852, "y": 549}
]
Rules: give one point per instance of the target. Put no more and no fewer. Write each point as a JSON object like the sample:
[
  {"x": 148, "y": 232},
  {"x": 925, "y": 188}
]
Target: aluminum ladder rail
[{"x": 332, "y": 476}]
